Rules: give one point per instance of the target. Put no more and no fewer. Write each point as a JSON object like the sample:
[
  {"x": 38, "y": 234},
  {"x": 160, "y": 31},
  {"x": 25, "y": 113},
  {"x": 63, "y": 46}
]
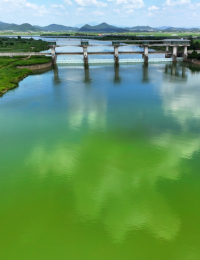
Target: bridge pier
[
  {"x": 85, "y": 55},
  {"x": 53, "y": 55},
  {"x": 167, "y": 49},
  {"x": 185, "y": 53},
  {"x": 146, "y": 53},
  {"x": 174, "y": 54},
  {"x": 116, "y": 55}
]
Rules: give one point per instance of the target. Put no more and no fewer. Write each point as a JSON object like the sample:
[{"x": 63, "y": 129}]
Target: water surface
[{"x": 101, "y": 163}]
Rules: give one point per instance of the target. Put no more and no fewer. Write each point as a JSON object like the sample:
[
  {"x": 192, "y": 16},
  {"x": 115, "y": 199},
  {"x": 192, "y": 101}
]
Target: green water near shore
[{"x": 101, "y": 164}]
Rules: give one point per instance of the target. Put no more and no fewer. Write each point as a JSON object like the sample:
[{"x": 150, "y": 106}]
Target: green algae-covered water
[{"x": 101, "y": 164}]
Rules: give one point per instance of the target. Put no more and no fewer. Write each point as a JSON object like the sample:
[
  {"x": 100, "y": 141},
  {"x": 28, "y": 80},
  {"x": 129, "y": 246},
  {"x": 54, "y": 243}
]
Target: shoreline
[
  {"x": 37, "y": 66},
  {"x": 16, "y": 69},
  {"x": 193, "y": 61},
  {"x": 8, "y": 89}
]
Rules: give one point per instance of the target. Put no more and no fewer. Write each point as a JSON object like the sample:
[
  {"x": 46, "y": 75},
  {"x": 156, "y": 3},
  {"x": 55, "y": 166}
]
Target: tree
[{"x": 193, "y": 55}]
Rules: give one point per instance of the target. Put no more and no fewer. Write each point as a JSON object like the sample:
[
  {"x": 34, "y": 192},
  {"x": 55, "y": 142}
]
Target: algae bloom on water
[{"x": 101, "y": 163}]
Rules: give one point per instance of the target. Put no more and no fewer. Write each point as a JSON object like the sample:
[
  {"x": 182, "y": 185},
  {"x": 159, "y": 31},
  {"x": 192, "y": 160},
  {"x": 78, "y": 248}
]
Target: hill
[
  {"x": 103, "y": 27},
  {"x": 142, "y": 28},
  {"x": 174, "y": 29},
  {"x": 25, "y": 27},
  {"x": 57, "y": 28},
  {"x": 162, "y": 27},
  {"x": 21, "y": 28},
  {"x": 100, "y": 28}
]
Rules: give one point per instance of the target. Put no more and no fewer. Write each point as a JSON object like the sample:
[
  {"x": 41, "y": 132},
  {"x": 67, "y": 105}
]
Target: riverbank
[
  {"x": 13, "y": 70},
  {"x": 22, "y": 45},
  {"x": 193, "y": 61}
]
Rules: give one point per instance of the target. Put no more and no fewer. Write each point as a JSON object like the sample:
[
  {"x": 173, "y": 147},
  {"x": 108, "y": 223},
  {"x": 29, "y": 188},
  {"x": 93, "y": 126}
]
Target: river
[{"x": 101, "y": 163}]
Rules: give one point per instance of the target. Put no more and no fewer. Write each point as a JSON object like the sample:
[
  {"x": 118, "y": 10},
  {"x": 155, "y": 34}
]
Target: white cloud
[
  {"x": 68, "y": 2},
  {"x": 42, "y": 10},
  {"x": 131, "y": 4},
  {"x": 58, "y": 6},
  {"x": 98, "y": 13},
  {"x": 33, "y": 6},
  {"x": 178, "y": 2},
  {"x": 90, "y": 3},
  {"x": 149, "y": 14},
  {"x": 130, "y": 11},
  {"x": 80, "y": 9},
  {"x": 21, "y": 5},
  {"x": 153, "y": 8}
]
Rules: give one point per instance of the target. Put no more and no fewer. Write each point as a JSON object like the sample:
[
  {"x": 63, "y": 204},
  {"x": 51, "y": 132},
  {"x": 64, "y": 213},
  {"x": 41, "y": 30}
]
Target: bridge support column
[
  {"x": 53, "y": 55},
  {"x": 116, "y": 55},
  {"x": 185, "y": 53},
  {"x": 146, "y": 57},
  {"x": 174, "y": 55},
  {"x": 167, "y": 49},
  {"x": 85, "y": 56}
]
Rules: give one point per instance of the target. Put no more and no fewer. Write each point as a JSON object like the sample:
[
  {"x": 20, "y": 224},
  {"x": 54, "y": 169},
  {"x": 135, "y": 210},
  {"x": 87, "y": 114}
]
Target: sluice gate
[{"x": 112, "y": 61}]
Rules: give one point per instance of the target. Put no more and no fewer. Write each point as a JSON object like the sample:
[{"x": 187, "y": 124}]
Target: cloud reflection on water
[
  {"x": 115, "y": 177},
  {"x": 180, "y": 99},
  {"x": 114, "y": 181}
]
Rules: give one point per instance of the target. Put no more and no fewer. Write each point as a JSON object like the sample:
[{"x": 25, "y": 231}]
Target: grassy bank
[
  {"x": 10, "y": 75},
  {"x": 22, "y": 45}
]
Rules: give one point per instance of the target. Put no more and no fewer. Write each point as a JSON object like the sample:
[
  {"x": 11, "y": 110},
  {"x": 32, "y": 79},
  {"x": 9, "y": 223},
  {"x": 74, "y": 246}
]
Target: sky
[{"x": 155, "y": 13}]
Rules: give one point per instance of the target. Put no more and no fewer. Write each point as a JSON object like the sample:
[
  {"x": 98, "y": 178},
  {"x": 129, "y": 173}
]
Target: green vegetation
[
  {"x": 126, "y": 35},
  {"x": 58, "y": 28},
  {"x": 22, "y": 45},
  {"x": 194, "y": 55},
  {"x": 103, "y": 27},
  {"x": 15, "y": 27},
  {"x": 72, "y": 32},
  {"x": 10, "y": 75},
  {"x": 56, "y": 34},
  {"x": 33, "y": 60},
  {"x": 26, "y": 27},
  {"x": 194, "y": 45}
]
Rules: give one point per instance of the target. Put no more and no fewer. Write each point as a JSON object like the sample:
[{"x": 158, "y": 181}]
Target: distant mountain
[
  {"x": 36, "y": 28},
  {"x": 21, "y": 28},
  {"x": 193, "y": 29},
  {"x": 90, "y": 23},
  {"x": 174, "y": 29},
  {"x": 103, "y": 27},
  {"x": 142, "y": 28},
  {"x": 162, "y": 27},
  {"x": 100, "y": 28},
  {"x": 58, "y": 27}
]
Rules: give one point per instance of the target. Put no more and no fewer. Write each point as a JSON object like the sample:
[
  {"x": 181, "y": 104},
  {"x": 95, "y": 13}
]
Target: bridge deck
[
  {"x": 111, "y": 53},
  {"x": 77, "y": 53},
  {"x": 110, "y": 45},
  {"x": 81, "y": 53}
]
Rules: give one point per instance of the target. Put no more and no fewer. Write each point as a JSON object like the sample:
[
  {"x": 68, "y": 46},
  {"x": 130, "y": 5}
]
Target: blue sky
[{"x": 117, "y": 12}]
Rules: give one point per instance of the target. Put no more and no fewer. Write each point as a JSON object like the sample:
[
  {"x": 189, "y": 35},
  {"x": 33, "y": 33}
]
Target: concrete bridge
[{"x": 116, "y": 45}]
